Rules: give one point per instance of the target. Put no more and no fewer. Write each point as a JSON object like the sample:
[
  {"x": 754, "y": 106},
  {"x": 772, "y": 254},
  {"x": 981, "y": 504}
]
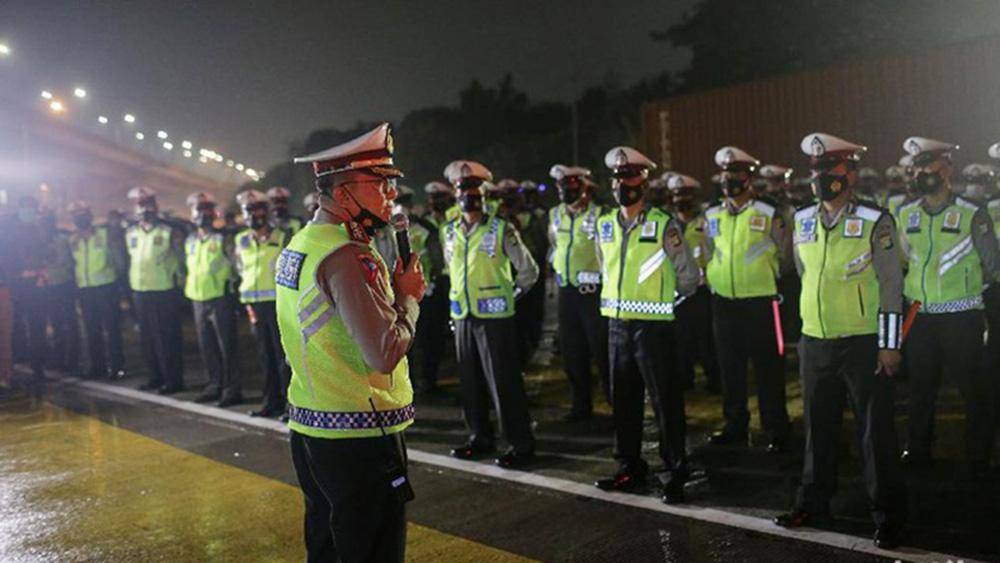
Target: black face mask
[
  {"x": 569, "y": 196},
  {"x": 927, "y": 183},
  {"x": 257, "y": 221},
  {"x": 470, "y": 202},
  {"x": 628, "y": 195},
  {"x": 828, "y": 186},
  {"x": 205, "y": 220},
  {"x": 147, "y": 215},
  {"x": 83, "y": 221},
  {"x": 684, "y": 205},
  {"x": 733, "y": 187},
  {"x": 440, "y": 204}
]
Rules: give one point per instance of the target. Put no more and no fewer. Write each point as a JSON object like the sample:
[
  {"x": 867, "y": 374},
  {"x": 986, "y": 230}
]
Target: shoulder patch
[
  {"x": 868, "y": 212},
  {"x": 962, "y": 202},
  {"x": 607, "y": 233},
  {"x": 713, "y": 209},
  {"x": 764, "y": 207},
  {"x": 289, "y": 268},
  {"x": 909, "y": 205},
  {"x": 370, "y": 267},
  {"x": 806, "y": 212}
]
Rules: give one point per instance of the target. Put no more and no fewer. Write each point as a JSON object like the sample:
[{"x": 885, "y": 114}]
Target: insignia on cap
[
  {"x": 817, "y": 146},
  {"x": 914, "y": 147},
  {"x": 621, "y": 159},
  {"x": 728, "y": 157}
]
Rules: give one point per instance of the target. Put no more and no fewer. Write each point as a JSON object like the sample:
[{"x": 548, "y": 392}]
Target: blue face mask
[{"x": 27, "y": 215}]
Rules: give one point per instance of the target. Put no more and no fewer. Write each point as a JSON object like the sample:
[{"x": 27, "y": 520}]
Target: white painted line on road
[{"x": 710, "y": 515}]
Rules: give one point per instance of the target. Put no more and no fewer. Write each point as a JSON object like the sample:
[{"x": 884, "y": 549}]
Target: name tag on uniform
[
  {"x": 648, "y": 232},
  {"x": 913, "y": 222},
  {"x": 713, "y": 227},
  {"x": 590, "y": 226},
  {"x": 853, "y": 228},
  {"x": 952, "y": 222},
  {"x": 607, "y": 232},
  {"x": 245, "y": 241},
  {"x": 133, "y": 242},
  {"x": 157, "y": 240},
  {"x": 489, "y": 244},
  {"x": 758, "y": 223},
  {"x": 289, "y": 269}
]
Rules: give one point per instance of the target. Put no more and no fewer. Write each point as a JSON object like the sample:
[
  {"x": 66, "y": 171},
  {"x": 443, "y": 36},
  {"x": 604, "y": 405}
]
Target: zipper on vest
[
  {"x": 822, "y": 268},
  {"x": 861, "y": 301},
  {"x": 930, "y": 251},
  {"x": 86, "y": 262},
  {"x": 468, "y": 300},
  {"x": 732, "y": 243},
  {"x": 569, "y": 249},
  {"x": 621, "y": 272}
]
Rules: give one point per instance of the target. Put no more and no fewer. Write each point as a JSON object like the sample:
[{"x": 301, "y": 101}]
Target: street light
[
  {"x": 80, "y": 92},
  {"x": 4, "y": 50},
  {"x": 239, "y": 167},
  {"x": 139, "y": 136},
  {"x": 129, "y": 118},
  {"x": 186, "y": 144},
  {"x": 187, "y": 154},
  {"x": 168, "y": 145},
  {"x": 102, "y": 120},
  {"x": 56, "y": 106},
  {"x": 46, "y": 95},
  {"x": 161, "y": 134}
]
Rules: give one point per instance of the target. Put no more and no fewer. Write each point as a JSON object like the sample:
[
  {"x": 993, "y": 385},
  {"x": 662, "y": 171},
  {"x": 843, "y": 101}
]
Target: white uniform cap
[
  {"x": 906, "y": 161},
  {"x": 200, "y": 197},
  {"x": 250, "y": 197},
  {"x": 141, "y": 192},
  {"x": 824, "y": 144},
  {"x": 916, "y": 146},
  {"x": 437, "y": 188},
  {"x": 867, "y": 173},
  {"x": 311, "y": 200},
  {"x": 371, "y": 151},
  {"x": 78, "y": 206},
  {"x": 462, "y": 169},
  {"x": 895, "y": 172},
  {"x": 682, "y": 181},
  {"x": 976, "y": 169},
  {"x": 775, "y": 172},
  {"x": 560, "y": 171},
  {"x": 728, "y": 157},
  {"x": 507, "y": 185},
  {"x": 627, "y": 157},
  {"x": 490, "y": 187},
  {"x": 994, "y": 151},
  {"x": 529, "y": 186},
  {"x": 278, "y": 192}
]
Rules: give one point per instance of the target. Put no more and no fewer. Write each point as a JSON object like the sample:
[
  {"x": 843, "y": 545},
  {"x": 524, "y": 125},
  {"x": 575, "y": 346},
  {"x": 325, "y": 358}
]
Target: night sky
[{"x": 247, "y": 78}]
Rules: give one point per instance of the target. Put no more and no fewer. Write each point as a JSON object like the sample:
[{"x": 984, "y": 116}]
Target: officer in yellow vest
[
  {"x": 209, "y": 284},
  {"x": 480, "y": 250},
  {"x": 694, "y": 314},
  {"x": 346, "y": 323},
  {"x": 281, "y": 217},
  {"x": 583, "y": 331},
  {"x": 748, "y": 246},
  {"x": 98, "y": 260},
  {"x": 845, "y": 251},
  {"x": 646, "y": 264},
  {"x": 257, "y": 249},
  {"x": 952, "y": 256},
  {"x": 311, "y": 204},
  {"x": 657, "y": 194}
]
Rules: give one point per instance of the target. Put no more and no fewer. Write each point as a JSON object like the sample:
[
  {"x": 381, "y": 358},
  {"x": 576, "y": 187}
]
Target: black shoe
[
  {"x": 728, "y": 438},
  {"x": 513, "y": 459},
  {"x": 573, "y": 417},
  {"x": 625, "y": 479},
  {"x": 150, "y": 386},
  {"x": 888, "y": 536},
  {"x": 798, "y": 518},
  {"x": 207, "y": 397},
  {"x": 471, "y": 450},
  {"x": 267, "y": 412},
  {"x": 777, "y": 446},
  {"x": 170, "y": 389},
  {"x": 673, "y": 493},
  {"x": 230, "y": 400},
  {"x": 913, "y": 460}
]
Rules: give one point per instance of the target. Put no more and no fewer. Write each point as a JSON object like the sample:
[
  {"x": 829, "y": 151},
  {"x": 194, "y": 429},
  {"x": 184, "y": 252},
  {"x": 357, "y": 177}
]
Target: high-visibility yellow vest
[
  {"x": 256, "y": 261},
  {"x": 638, "y": 278},
  {"x": 744, "y": 263},
  {"x": 209, "y": 271},
  {"x": 94, "y": 266},
  {"x": 944, "y": 272},
  {"x": 840, "y": 291},
  {"x": 331, "y": 384},
  {"x": 154, "y": 265},
  {"x": 481, "y": 281},
  {"x": 574, "y": 257}
]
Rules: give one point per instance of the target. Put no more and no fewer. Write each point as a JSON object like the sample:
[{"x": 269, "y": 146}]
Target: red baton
[
  {"x": 911, "y": 316},
  {"x": 778, "y": 334}
]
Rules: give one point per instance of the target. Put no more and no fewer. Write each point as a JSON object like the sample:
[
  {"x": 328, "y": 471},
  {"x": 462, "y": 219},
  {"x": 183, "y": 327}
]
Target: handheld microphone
[{"x": 401, "y": 223}]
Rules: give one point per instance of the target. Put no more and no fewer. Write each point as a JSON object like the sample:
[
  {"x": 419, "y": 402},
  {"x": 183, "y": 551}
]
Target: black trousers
[
  {"x": 29, "y": 340},
  {"x": 432, "y": 332},
  {"x": 641, "y": 355},
  {"x": 102, "y": 328},
  {"x": 60, "y": 305},
  {"x": 489, "y": 372},
  {"x": 351, "y": 513},
  {"x": 953, "y": 342},
  {"x": 272, "y": 356},
  {"x": 583, "y": 334},
  {"x": 529, "y": 316},
  {"x": 215, "y": 323},
  {"x": 833, "y": 371},
  {"x": 160, "y": 326},
  {"x": 695, "y": 341},
  {"x": 744, "y": 331}
]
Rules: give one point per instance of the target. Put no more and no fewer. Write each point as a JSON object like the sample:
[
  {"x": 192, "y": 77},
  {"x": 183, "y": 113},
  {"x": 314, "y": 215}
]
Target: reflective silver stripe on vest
[
  {"x": 642, "y": 307},
  {"x": 954, "y": 256},
  {"x": 648, "y": 268},
  {"x": 956, "y": 306},
  {"x": 268, "y": 293},
  {"x": 756, "y": 250},
  {"x": 349, "y": 420},
  {"x": 312, "y": 307}
]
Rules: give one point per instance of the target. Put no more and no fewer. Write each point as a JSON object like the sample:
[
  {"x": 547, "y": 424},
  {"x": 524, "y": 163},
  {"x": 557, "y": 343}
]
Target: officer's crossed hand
[
  {"x": 888, "y": 362},
  {"x": 409, "y": 280}
]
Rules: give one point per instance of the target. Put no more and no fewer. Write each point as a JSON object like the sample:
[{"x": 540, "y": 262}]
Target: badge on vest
[
  {"x": 952, "y": 222},
  {"x": 489, "y": 244},
  {"x": 289, "y": 269},
  {"x": 245, "y": 241},
  {"x": 807, "y": 231},
  {"x": 133, "y": 242},
  {"x": 713, "y": 227},
  {"x": 607, "y": 231},
  {"x": 157, "y": 240},
  {"x": 913, "y": 222},
  {"x": 854, "y": 228},
  {"x": 648, "y": 232},
  {"x": 758, "y": 223}
]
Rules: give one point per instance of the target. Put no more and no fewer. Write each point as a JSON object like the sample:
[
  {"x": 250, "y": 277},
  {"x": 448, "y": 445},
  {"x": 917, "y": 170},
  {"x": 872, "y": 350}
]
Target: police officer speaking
[
  {"x": 346, "y": 324},
  {"x": 645, "y": 264},
  {"x": 851, "y": 329}
]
